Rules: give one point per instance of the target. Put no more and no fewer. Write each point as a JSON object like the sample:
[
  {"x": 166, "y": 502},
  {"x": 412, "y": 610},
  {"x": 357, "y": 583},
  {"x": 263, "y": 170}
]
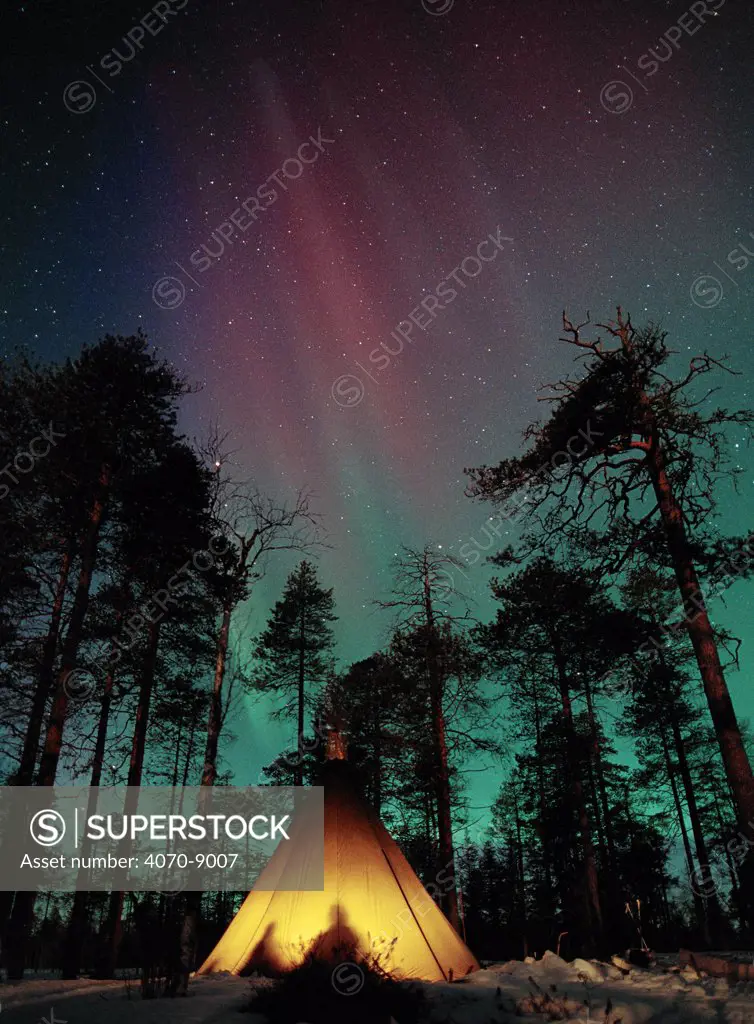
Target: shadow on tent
[{"x": 339, "y": 942}]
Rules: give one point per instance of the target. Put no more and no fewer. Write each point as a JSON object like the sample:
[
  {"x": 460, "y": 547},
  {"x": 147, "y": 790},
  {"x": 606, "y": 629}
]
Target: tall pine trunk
[
  {"x": 593, "y": 907},
  {"x": 713, "y": 907},
  {"x": 521, "y": 879},
  {"x": 732, "y": 873},
  {"x": 25, "y": 774},
  {"x": 377, "y": 759},
  {"x": 190, "y": 930},
  {"x": 214, "y": 723},
  {"x": 22, "y": 915},
  {"x": 444, "y": 816},
  {"x": 298, "y": 778},
  {"x": 189, "y": 755},
  {"x": 599, "y": 769},
  {"x": 54, "y": 737},
  {"x": 442, "y": 773},
  {"x": 542, "y": 800},
  {"x": 737, "y": 766},
  {"x": 177, "y": 760},
  {"x": 699, "y": 910},
  {"x": 597, "y": 814},
  {"x": 735, "y": 760},
  {"x": 77, "y": 922},
  {"x": 113, "y": 927},
  {"x": 612, "y": 889}
]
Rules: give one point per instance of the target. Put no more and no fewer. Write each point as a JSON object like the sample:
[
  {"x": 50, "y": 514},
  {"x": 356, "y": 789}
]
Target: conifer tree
[
  {"x": 294, "y": 651},
  {"x": 167, "y": 516},
  {"x": 117, "y": 409},
  {"x": 632, "y": 446},
  {"x": 553, "y": 637},
  {"x": 429, "y": 653}
]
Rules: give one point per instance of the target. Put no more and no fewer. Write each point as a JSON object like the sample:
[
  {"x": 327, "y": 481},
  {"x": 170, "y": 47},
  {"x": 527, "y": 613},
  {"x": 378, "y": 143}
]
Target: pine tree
[
  {"x": 430, "y": 653},
  {"x": 250, "y": 526},
  {"x": 167, "y": 516},
  {"x": 628, "y": 444},
  {"x": 556, "y": 632},
  {"x": 660, "y": 712},
  {"x": 294, "y": 650},
  {"x": 116, "y": 407},
  {"x": 369, "y": 697}
]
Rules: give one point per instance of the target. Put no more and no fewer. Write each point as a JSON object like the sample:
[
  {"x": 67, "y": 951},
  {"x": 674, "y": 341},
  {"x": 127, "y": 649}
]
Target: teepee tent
[{"x": 372, "y": 904}]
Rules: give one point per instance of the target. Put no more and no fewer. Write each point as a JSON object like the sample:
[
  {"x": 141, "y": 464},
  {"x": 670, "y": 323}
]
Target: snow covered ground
[
  {"x": 211, "y": 1001},
  {"x": 584, "y": 987},
  {"x": 501, "y": 994}
]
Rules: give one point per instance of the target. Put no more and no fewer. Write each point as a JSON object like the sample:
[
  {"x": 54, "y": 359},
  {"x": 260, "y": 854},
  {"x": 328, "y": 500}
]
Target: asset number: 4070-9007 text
[{"x": 200, "y": 860}]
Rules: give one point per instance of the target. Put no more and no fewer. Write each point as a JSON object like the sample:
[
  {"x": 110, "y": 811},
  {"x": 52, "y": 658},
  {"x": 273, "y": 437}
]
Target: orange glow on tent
[{"x": 373, "y": 904}]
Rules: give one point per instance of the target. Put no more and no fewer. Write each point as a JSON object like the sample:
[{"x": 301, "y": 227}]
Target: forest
[{"x": 128, "y": 564}]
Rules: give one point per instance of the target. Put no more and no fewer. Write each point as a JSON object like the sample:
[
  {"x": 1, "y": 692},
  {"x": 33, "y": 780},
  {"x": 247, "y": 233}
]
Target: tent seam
[{"x": 408, "y": 904}]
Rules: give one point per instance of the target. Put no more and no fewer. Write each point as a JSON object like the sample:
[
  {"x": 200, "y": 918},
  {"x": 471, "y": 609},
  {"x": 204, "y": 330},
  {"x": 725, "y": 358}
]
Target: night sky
[{"x": 606, "y": 145}]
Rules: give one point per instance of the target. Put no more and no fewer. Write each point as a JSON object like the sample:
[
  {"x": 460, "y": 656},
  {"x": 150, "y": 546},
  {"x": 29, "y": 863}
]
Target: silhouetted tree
[
  {"x": 556, "y": 632},
  {"x": 168, "y": 526},
  {"x": 293, "y": 652},
  {"x": 428, "y": 654},
  {"x": 117, "y": 408},
  {"x": 629, "y": 444}
]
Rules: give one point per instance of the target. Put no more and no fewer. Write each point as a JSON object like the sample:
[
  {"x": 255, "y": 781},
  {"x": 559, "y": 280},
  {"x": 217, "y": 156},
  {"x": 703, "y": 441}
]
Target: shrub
[{"x": 352, "y": 989}]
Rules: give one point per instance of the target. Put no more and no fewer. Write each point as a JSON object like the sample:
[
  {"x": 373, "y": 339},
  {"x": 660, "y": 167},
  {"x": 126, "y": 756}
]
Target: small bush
[{"x": 351, "y": 990}]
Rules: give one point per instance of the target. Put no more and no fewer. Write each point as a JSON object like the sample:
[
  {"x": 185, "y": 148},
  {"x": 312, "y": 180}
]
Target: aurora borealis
[{"x": 616, "y": 181}]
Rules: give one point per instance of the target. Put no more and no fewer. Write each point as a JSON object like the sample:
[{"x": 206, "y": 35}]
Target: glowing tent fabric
[{"x": 372, "y": 903}]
